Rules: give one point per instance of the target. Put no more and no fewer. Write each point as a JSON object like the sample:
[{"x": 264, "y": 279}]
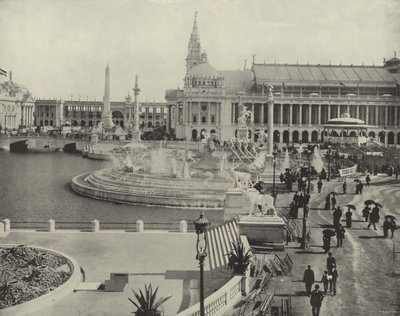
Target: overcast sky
[{"x": 59, "y": 48}]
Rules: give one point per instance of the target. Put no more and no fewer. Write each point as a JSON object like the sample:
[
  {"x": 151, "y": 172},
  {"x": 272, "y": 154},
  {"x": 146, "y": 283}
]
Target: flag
[
  {"x": 283, "y": 85},
  {"x": 342, "y": 84},
  {"x": 3, "y": 72}
]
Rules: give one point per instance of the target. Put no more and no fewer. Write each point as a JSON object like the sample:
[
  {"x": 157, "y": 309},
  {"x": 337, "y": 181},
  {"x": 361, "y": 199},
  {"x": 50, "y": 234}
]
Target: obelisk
[
  {"x": 106, "y": 116},
  {"x": 136, "y": 131}
]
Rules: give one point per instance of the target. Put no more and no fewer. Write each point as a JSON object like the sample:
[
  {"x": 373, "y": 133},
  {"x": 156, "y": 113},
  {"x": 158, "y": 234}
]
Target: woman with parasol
[
  {"x": 326, "y": 239},
  {"x": 349, "y": 214},
  {"x": 391, "y": 224},
  {"x": 366, "y": 211}
]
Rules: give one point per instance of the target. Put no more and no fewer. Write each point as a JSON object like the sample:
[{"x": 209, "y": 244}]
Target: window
[
  {"x": 204, "y": 107},
  {"x": 203, "y": 119},
  {"x": 194, "y": 119},
  {"x": 212, "y": 119}
]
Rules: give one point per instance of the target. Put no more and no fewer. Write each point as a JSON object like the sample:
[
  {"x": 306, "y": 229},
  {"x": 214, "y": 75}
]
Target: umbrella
[
  {"x": 390, "y": 216},
  {"x": 333, "y": 193},
  {"x": 351, "y": 206},
  {"x": 369, "y": 202},
  {"x": 328, "y": 232},
  {"x": 356, "y": 180},
  {"x": 378, "y": 204}
]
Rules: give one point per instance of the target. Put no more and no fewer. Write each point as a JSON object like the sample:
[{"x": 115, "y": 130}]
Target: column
[
  {"x": 309, "y": 114},
  {"x": 280, "y": 113},
  {"x": 300, "y": 112},
  {"x": 262, "y": 113},
  {"x": 217, "y": 113},
  {"x": 199, "y": 113},
  {"x": 208, "y": 113},
  {"x": 319, "y": 114},
  {"x": 329, "y": 111},
  {"x": 348, "y": 108},
  {"x": 338, "y": 110},
  {"x": 358, "y": 112},
  {"x": 190, "y": 112},
  {"x": 366, "y": 114},
  {"x": 233, "y": 113},
  {"x": 290, "y": 114},
  {"x": 386, "y": 115},
  {"x": 270, "y": 123},
  {"x": 252, "y": 109},
  {"x": 376, "y": 115},
  {"x": 396, "y": 113}
]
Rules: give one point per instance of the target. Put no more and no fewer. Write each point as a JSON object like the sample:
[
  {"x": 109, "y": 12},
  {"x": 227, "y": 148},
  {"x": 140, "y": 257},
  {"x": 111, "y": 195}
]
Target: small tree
[
  {"x": 239, "y": 258},
  {"x": 146, "y": 304}
]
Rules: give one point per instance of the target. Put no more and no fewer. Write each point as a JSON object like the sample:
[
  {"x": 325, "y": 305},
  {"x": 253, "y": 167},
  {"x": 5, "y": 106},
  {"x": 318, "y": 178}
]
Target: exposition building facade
[{"x": 305, "y": 98}]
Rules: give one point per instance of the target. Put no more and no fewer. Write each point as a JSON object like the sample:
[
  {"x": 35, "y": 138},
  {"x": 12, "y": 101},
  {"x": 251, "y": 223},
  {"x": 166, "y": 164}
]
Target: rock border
[{"x": 50, "y": 298}]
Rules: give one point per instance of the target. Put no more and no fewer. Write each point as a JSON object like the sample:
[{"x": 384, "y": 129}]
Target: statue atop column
[{"x": 270, "y": 89}]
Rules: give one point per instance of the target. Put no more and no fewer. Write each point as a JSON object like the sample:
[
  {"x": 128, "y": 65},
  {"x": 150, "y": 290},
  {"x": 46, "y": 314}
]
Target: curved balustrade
[{"x": 220, "y": 301}]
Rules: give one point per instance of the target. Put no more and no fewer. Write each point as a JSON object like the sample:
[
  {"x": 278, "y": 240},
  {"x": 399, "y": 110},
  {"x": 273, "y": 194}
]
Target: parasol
[
  {"x": 390, "y": 216},
  {"x": 356, "y": 180},
  {"x": 369, "y": 202},
  {"x": 328, "y": 232},
  {"x": 351, "y": 206},
  {"x": 333, "y": 193},
  {"x": 378, "y": 204}
]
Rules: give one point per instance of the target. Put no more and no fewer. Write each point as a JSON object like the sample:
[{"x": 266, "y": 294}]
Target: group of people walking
[{"x": 328, "y": 280}]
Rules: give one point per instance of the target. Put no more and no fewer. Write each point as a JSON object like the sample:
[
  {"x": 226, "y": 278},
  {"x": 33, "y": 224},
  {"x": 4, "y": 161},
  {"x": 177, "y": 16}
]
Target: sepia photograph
[{"x": 199, "y": 157}]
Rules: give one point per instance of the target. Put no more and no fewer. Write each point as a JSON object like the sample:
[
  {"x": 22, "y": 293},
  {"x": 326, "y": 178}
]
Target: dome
[{"x": 204, "y": 70}]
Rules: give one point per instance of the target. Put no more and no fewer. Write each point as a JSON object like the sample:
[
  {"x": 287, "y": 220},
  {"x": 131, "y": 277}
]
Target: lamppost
[
  {"x": 273, "y": 181},
  {"x": 201, "y": 224},
  {"x": 307, "y": 153},
  {"x": 329, "y": 163}
]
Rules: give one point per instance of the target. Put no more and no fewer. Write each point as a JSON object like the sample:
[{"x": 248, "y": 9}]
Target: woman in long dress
[{"x": 328, "y": 202}]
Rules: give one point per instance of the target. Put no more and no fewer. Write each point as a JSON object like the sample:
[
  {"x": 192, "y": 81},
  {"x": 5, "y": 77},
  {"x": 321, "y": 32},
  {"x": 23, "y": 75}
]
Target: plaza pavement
[{"x": 163, "y": 259}]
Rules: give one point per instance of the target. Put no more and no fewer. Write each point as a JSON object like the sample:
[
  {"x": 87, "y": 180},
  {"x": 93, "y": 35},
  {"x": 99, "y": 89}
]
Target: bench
[{"x": 264, "y": 307}]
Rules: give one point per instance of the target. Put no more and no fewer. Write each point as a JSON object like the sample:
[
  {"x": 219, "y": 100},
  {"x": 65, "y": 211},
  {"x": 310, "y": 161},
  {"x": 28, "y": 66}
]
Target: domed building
[
  {"x": 16, "y": 105},
  {"x": 306, "y": 97}
]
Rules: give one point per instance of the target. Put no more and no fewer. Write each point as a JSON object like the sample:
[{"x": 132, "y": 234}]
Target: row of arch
[{"x": 304, "y": 136}]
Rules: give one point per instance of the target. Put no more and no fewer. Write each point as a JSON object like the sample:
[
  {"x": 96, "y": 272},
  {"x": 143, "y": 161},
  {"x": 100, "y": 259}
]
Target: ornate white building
[
  {"x": 306, "y": 97},
  {"x": 16, "y": 105}
]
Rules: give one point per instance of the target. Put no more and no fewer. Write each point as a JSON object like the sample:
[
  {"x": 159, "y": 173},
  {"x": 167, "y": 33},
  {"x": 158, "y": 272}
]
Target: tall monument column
[
  {"x": 136, "y": 130},
  {"x": 106, "y": 116},
  {"x": 270, "y": 101}
]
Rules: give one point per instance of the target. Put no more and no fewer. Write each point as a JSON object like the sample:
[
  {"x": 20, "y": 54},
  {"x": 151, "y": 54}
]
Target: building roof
[
  {"x": 238, "y": 80},
  {"x": 323, "y": 75}
]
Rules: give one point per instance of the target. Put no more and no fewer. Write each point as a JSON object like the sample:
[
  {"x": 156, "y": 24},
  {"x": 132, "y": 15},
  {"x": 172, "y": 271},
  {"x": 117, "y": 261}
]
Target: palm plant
[
  {"x": 239, "y": 258},
  {"x": 146, "y": 304}
]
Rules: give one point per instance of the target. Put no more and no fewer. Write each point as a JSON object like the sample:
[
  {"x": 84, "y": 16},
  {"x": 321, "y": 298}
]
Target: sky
[{"x": 60, "y": 48}]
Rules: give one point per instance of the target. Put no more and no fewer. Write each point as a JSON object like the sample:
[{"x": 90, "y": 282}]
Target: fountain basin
[{"x": 153, "y": 189}]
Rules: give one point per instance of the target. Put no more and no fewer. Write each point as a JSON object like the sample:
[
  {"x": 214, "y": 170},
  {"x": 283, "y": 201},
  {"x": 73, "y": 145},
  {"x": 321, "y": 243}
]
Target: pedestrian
[
  {"x": 333, "y": 201},
  {"x": 365, "y": 212},
  {"x": 333, "y": 278},
  {"x": 301, "y": 200},
  {"x": 367, "y": 180},
  {"x": 340, "y": 235},
  {"x": 392, "y": 226},
  {"x": 308, "y": 279},
  {"x": 337, "y": 215},
  {"x": 293, "y": 210},
  {"x": 386, "y": 225},
  {"x": 349, "y": 214},
  {"x": 296, "y": 198},
  {"x": 330, "y": 262},
  {"x": 281, "y": 177},
  {"x": 344, "y": 186},
  {"x": 357, "y": 188},
  {"x": 328, "y": 202},
  {"x": 396, "y": 172},
  {"x": 326, "y": 243},
  {"x": 374, "y": 217},
  {"x": 361, "y": 187},
  {"x": 316, "y": 300},
  {"x": 319, "y": 184},
  {"x": 325, "y": 281}
]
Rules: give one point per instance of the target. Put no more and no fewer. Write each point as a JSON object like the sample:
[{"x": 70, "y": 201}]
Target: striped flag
[
  {"x": 342, "y": 84},
  {"x": 3, "y": 72}
]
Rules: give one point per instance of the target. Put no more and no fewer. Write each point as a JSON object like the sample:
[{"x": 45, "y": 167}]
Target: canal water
[{"x": 35, "y": 187}]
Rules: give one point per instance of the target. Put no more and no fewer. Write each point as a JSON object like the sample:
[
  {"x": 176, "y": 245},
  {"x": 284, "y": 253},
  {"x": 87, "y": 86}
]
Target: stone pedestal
[
  {"x": 95, "y": 226},
  {"x": 7, "y": 225},
  {"x": 235, "y": 204},
  {"x": 183, "y": 226},
  {"x": 139, "y": 226},
  {"x": 263, "y": 230},
  {"x": 1, "y": 228},
  {"x": 51, "y": 226}
]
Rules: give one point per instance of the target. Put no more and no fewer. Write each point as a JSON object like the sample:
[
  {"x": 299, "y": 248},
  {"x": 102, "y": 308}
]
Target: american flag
[{"x": 3, "y": 72}]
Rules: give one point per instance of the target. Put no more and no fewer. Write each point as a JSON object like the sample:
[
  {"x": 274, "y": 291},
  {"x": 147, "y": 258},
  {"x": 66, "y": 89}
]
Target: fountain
[{"x": 285, "y": 163}]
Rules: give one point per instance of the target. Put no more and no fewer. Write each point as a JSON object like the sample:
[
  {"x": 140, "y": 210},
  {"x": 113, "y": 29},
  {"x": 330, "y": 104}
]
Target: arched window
[
  {"x": 46, "y": 123},
  {"x": 286, "y": 137},
  {"x": 194, "y": 134},
  {"x": 390, "y": 140},
  {"x": 304, "y": 137},
  {"x": 314, "y": 137},
  {"x": 51, "y": 123},
  {"x": 277, "y": 137},
  {"x": 295, "y": 136}
]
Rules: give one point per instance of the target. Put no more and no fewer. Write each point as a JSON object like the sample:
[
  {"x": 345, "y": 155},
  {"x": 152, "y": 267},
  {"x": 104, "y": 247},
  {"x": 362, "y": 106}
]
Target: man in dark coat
[
  {"x": 374, "y": 217},
  {"x": 367, "y": 180},
  {"x": 361, "y": 186},
  {"x": 328, "y": 202},
  {"x": 333, "y": 201},
  {"x": 337, "y": 214},
  {"x": 308, "y": 279},
  {"x": 330, "y": 262},
  {"x": 365, "y": 212},
  {"x": 333, "y": 278},
  {"x": 349, "y": 214},
  {"x": 340, "y": 235},
  {"x": 344, "y": 186},
  {"x": 316, "y": 300}
]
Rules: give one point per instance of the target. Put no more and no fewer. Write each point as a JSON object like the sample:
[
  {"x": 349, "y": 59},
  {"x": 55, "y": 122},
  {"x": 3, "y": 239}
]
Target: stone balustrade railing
[
  {"x": 96, "y": 226},
  {"x": 220, "y": 301}
]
